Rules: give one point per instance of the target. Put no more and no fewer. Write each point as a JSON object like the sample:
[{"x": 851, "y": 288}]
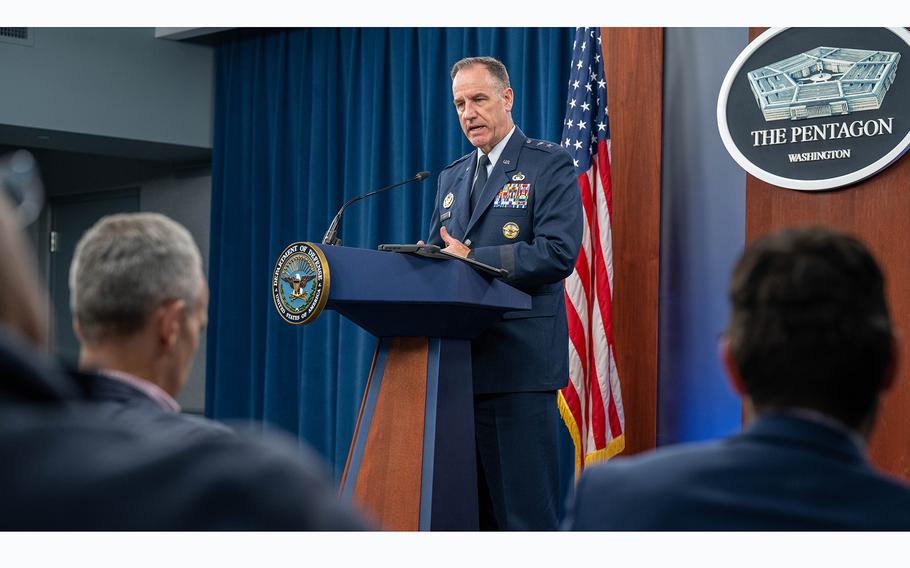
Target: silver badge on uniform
[
  {"x": 447, "y": 202},
  {"x": 518, "y": 177}
]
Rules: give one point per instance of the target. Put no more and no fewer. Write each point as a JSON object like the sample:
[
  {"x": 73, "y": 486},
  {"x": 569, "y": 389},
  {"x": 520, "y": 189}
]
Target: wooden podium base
[{"x": 412, "y": 463}]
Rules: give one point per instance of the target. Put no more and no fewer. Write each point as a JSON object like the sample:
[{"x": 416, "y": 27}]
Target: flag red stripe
[
  {"x": 615, "y": 425},
  {"x": 587, "y": 198},
  {"x": 593, "y": 407},
  {"x": 583, "y": 269},
  {"x": 598, "y": 417},
  {"x": 577, "y": 336},
  {"x": 574, "y": 405},
  {"x": 570, "y": 395},
  {"x": 601, "y": 278},
  {"x": 603, "y": 163}
]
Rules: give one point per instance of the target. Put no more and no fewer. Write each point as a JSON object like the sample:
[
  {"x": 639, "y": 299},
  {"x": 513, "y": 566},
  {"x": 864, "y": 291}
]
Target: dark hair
[
  {"x": 810, "y": 326},
  {"x": 493, "y": 65}
]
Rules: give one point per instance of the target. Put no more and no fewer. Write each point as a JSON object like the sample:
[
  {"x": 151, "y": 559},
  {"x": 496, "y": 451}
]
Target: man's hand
[{"x": 453, "y": 245}]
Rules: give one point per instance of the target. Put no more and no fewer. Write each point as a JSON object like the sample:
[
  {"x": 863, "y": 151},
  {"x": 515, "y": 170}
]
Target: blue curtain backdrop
[{"x": 304, "y": 120}]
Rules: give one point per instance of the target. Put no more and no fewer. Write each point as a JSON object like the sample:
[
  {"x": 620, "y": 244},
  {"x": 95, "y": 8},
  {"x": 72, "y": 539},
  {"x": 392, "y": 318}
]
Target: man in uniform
[{"x": 512, "y": 203}]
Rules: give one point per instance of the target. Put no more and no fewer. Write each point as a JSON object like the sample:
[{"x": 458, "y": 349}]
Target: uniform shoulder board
[
  {"x": 541, "y": 145},
  {"x": 458, "y": 161}
]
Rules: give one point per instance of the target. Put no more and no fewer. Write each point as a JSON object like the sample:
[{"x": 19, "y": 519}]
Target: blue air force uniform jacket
[{"x": 528, "y": 221}]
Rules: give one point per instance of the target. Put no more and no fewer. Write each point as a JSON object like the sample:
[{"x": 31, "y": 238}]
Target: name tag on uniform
[
  {"x": 445, "y": 215},
  {"x": 513, "y": 196}
]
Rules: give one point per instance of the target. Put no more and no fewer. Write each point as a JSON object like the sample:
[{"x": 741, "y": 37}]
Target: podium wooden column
[
  {"x": 876, "y": 211},
  {"x": 412, "y": 461}
]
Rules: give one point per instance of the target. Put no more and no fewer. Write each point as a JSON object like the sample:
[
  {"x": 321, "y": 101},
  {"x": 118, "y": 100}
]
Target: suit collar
[
  {"x": 496, "y": 153},
  {"x": 508, "y": 162},
  {"x": 115, "y": 385},
  {"x": 798, "y": 430}
]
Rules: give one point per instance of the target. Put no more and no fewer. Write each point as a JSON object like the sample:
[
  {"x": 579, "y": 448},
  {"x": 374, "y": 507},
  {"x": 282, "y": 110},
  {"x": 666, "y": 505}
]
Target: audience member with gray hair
[
  {"x": 73, "y": 468},
  {"x": 126, "y": 266},
  {"x": 139, "y": 301}
]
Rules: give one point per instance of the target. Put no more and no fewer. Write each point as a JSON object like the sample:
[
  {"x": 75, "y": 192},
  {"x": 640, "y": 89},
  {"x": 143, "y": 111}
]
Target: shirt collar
[
  {"x": 149, "y": 389},
  {"x": 825, "y": 420},
  {"x": 497, "y": 149}
]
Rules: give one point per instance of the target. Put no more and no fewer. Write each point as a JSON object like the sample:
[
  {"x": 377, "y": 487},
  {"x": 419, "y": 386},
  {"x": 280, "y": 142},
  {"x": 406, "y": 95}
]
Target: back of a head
[
  {"x": 810, "y": 326},
  {"x": 126, "y": 266}
]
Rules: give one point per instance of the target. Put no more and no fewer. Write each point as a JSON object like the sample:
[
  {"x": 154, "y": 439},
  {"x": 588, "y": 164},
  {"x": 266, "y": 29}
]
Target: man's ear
[
  {"x": 77, "y": 329},
  {"x": 731, "y": 368},
  {"x": 167, "y": 320},
  {"x": 508, "y": 98},
  {"x": 891, "y": 369}
]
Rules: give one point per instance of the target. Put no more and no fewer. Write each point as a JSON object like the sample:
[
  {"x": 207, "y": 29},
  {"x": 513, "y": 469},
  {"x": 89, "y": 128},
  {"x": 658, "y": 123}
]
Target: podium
[{"x": 412, "y": 462}]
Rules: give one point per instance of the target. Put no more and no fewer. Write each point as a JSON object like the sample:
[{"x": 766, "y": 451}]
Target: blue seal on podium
[{"x": 300, "y": 283}]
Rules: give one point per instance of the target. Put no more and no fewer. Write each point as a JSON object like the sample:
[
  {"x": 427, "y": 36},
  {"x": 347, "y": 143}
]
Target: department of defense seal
[
  {"x": 447, "y": 202},
  {"x": 510, "y": 230},
  {"x": 300, "y": 283}
]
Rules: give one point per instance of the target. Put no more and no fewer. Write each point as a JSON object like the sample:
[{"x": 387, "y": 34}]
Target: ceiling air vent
[{"x": 18, "y": 36}]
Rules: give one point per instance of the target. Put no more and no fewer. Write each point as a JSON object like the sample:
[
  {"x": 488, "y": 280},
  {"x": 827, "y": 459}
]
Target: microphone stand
[{"x": 331, "y": 236}]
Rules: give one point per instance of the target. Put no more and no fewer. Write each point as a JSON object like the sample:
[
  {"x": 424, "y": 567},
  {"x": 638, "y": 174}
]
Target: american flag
[{"x": 591, "y": 404}]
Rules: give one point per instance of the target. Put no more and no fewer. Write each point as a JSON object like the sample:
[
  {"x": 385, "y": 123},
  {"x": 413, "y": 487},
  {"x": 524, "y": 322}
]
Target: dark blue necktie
[{"x": 480, "y": 181}]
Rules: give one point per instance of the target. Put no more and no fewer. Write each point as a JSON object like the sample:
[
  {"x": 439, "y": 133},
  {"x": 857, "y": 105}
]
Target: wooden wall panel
[
  {"x": 633, "y": 63},
  {"x": 876, "y": 211}
]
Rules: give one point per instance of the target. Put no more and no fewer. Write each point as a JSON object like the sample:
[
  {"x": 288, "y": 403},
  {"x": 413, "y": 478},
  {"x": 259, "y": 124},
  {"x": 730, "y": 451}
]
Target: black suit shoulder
[
  {"x": 746, "y": 482},
  {"x": 121, "y": 403},
  {"x": 78, "y": 472},
  {"x": 72, "y": 468}
]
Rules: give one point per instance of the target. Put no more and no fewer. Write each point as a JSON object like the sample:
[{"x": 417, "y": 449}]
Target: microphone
[{"x": 331, "y": 236}]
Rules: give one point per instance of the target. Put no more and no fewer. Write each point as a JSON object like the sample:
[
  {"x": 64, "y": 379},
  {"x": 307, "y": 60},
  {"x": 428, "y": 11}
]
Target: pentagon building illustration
[{"x": 824, "y": 81}]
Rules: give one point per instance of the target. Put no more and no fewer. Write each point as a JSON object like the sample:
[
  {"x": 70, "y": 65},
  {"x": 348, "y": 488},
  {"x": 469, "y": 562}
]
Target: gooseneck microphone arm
[{"x": 331, "y": 236}]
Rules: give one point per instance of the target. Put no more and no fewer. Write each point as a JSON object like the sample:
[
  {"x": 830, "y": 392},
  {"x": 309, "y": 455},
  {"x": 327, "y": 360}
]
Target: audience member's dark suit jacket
[
  {"x": 121, "y": 403},
  {"x": 66, "y": 467},
  {"x": 782, "y": 473}
]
